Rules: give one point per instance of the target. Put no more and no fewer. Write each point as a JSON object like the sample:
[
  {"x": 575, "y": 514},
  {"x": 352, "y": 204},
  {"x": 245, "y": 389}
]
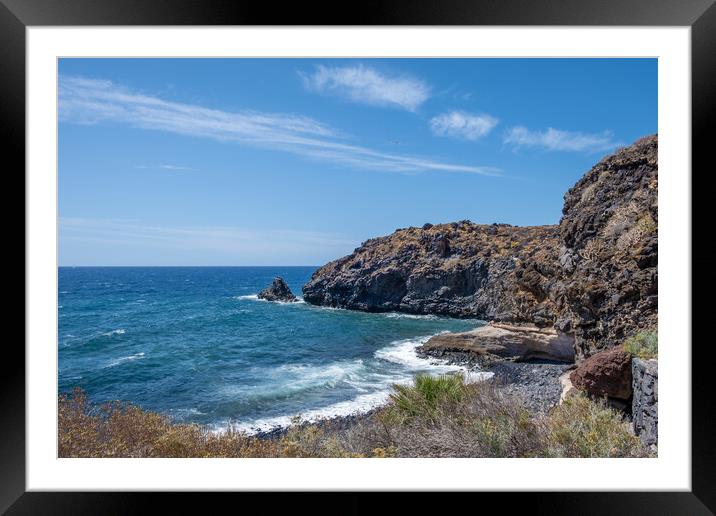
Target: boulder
[
  {"x": 645, "y": 404},
  {"x": 607, "y": 373},
  {"x": 277, "y": 291},
  {"x": 509, "y": 342}
]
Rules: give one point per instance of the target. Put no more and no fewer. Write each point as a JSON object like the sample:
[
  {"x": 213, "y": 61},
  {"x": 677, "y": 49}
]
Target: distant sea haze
[{"x": 197, "y": 344}]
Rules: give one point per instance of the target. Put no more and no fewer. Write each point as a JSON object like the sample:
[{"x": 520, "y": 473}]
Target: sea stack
[{"x": 277, "y": 291}]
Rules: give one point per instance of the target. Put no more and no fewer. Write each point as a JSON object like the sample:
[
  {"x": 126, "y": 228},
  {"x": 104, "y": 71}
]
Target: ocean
[{"x": 196, "y": 344}]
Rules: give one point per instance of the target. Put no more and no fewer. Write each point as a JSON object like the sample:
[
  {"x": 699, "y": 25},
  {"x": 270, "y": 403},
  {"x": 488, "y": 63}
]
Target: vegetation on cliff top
[
  {"x": 645, "y": 344},
  {"x": 436, "y": 417}
]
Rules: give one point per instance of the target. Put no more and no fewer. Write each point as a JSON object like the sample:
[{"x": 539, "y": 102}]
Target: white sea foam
[
  {"x": 358, "y": 405},
  {"x": 290, "y": 378},
  {"x": 398, "y": 315},
  {"x": 361, "y": 404},
  {"x": 374, "y": 386},
  {"x": 404, "y": 352},
  {"x": 121, "y": 360},
  {"x": 120, "y": 331},
  {"x": 255, "y": 297}
]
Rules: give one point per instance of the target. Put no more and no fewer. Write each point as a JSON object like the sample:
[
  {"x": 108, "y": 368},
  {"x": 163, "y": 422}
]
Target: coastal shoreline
[{"x": 536, "y": 384}]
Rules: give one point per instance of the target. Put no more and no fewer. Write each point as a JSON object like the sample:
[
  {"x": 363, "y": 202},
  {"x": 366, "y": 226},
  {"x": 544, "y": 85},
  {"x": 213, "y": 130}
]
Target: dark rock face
[
  {"x": 593, "y": 277},
  {"x": 609, "y": 250},
  {"x": 277, "y": 291},
  {"x": 645, "y": 404},
  {"x": 607, "y": 373},
  {"x": 459, "y": 269}
]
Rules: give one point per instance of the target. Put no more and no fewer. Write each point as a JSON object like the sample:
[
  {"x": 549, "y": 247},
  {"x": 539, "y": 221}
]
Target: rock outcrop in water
[
  {"x": 594, "y": 276},
  {"x": 277, "y": 291}
]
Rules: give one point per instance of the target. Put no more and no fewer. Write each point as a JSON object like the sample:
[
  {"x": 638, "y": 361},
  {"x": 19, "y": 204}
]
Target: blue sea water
[{"x": 196, "y": 344}]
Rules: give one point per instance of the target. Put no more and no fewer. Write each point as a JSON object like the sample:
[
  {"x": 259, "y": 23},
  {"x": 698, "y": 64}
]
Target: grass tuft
[{"x": 422, "y": 399}]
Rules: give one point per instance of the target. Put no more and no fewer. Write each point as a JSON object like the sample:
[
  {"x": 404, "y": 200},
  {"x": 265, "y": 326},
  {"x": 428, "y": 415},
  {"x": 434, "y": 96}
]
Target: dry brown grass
[
  {"x": 124, "y": 430},
  {"x": 436, "y": 417},
  {"x": 581, "y": 427}
]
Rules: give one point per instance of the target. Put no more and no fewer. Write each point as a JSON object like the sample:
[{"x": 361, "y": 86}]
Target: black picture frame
[{"x": 700, "y": 15}]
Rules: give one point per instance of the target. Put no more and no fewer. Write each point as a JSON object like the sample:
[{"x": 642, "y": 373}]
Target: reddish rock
[{"x": 607, "y": 373}]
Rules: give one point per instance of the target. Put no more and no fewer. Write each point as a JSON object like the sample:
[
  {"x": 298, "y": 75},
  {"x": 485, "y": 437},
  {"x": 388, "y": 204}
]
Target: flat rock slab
[{"x": 516, "y": 343}]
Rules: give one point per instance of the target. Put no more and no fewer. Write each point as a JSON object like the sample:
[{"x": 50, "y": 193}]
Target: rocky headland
[
  {"x": 459, "y": 269},
  {"x": 556, "y": 294},
  {"x": 592, "y": 277}
]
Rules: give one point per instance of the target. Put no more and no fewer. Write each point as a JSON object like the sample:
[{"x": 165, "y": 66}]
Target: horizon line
[{"x": 127, "y": 266}]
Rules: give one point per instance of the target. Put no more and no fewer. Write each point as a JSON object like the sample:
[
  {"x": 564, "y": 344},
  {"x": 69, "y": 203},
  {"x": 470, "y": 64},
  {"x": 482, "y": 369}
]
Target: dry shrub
[
  {"x": 588, "y": 193},
  {"x": 124, "y": 430},
  {"x": 620, "y": 221},
  {"x": 593, "y": 249},
  {"x": 581, "y": 427},
  {"x": 435, "y": 417},
  {"x": 444, "y": 417},
  {"x": 644, "y": 227}
]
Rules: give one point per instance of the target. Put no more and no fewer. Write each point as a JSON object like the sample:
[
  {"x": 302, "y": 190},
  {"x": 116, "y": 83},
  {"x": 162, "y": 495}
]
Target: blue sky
[{"x": 297, "y": 161}]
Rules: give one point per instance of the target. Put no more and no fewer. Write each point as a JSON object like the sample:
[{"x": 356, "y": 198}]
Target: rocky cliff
[
  {"x": 593, "y": 276},
  {"x": 459, "y": 269},
  {"x": 608, "y": 281}
]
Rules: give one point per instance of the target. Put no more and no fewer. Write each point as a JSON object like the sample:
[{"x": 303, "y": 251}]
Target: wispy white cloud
[
  {"x": 92, "y": 101},
  {"x": 368, "y": 86},
  {"x": 231, "y": 244},
  {"x": 556, "y": 140},
  {"x": 165, "y": 167},
  {"x": 458, "y": 124}
]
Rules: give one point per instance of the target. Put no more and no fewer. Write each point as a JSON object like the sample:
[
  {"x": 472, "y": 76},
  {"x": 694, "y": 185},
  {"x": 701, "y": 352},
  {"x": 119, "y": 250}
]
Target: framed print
[{"x": 414, "y": 250}]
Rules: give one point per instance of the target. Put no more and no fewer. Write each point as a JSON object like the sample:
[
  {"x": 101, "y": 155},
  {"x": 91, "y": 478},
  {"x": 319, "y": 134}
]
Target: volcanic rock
[
  {"x": 277, "y": 291},
  {"x": 645, "y": 404},
  {"x": 607, "y": 373},
  {"x": 458, "y": 269},
  {"x": 609, "y": 253},
  {"x": 593, "y": 277}
]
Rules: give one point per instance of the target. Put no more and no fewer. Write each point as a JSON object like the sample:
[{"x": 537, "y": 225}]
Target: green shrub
[
  {"x": 423, "y": 399},
  {"x": 644, "y": 344}
]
